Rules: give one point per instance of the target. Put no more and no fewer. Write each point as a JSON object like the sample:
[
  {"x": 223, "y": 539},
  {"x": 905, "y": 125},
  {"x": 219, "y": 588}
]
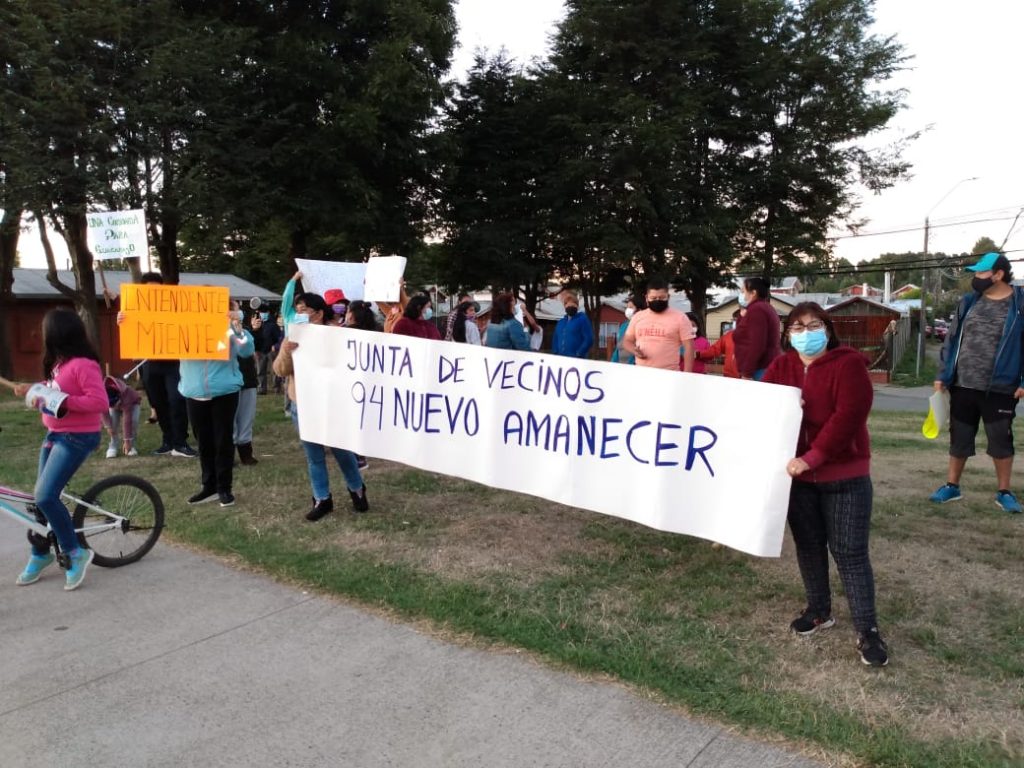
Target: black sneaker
[
  {"x": 185, "y": 450},
  {"x": 227, "y": 499},
  {"x": 320, "y": 508},
  {"x": 809, "y": 622},
  {"x": 362, "y": 463},
  {"x": 359, "y": 501},
  {"x": 873, "y": 650},
  {"x": 203, "y": 496},
  {"x": 163, "y": 450}
]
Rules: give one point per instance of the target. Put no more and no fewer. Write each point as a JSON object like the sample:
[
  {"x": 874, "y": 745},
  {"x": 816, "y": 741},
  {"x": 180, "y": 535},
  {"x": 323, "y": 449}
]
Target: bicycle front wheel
[{"x": 116, "y": 543}]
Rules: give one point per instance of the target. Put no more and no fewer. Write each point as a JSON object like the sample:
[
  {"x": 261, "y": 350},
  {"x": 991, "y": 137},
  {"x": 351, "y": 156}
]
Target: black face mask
[
  {"x": 570, "y": 311},
  {"x": 981, "y": 284},
  {"x": 658, "y": 305}
]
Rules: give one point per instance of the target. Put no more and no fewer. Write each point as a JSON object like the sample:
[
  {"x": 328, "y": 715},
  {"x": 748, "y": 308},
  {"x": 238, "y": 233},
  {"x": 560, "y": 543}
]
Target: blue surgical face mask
[
  {"x": 428, "y": 313},
  {"x": 300, "y": 319},
  {"x": 743, "y": 300},
  {"x": 809, "y": 343}
]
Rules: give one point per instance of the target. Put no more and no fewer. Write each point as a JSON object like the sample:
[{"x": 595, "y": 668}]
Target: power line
[{"x": 918, "y": 229}]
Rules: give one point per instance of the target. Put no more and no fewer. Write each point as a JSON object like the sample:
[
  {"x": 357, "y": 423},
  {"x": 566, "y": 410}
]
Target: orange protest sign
[{"x": 174, "y": 322}]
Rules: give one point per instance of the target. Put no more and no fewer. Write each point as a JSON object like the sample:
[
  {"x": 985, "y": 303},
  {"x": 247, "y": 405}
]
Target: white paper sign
[
  {"x": 656, "y": 447},
  {"x": 321, "y": 276},
  {"x": 118, "y": 235},
  {"x": 45, "y": 399},
  {"x": 384, "y": 278}
]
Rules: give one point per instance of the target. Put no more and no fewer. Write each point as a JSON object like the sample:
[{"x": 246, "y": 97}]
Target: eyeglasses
[{"x": 814, "y": 325}]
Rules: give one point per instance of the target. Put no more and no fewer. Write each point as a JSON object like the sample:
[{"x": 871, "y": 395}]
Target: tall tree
[
  {"x": 490, "y": 210},
  {"x": 817, "y": 96}
]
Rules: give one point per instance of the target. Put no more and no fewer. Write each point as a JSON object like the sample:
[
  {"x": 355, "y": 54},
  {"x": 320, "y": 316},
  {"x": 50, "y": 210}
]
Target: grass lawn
[{"x": 700, "y": 628}]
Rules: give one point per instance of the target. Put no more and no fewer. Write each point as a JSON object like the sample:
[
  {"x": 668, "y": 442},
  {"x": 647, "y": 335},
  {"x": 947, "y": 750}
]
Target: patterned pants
[{"x": 835, "y": 517}]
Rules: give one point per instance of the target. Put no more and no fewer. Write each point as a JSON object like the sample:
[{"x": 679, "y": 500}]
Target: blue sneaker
[
  {"x": 36, "y": 565},
  {"x": 1007, "y": 502},
  {"x": 948, "y": 492},
  {"x": 80, "y": 560}
]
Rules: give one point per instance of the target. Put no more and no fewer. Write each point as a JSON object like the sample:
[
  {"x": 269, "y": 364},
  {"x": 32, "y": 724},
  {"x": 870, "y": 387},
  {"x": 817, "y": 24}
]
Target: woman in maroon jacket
[
  {"x": 830, "y": 501},
  {"x": 416, "y": 320},
  {"x": 758, "y": 332}
]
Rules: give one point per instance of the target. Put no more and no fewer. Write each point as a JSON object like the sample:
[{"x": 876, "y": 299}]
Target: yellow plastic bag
[{"x": 938, "y": 415}]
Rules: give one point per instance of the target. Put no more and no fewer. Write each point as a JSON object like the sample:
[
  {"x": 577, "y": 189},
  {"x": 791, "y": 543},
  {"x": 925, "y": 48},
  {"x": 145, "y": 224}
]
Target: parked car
[{"x": 941, "y": 329}]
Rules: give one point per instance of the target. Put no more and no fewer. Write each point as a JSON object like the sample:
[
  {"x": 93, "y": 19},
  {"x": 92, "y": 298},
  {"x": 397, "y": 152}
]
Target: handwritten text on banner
[
  {"x": 171, "y": 322},
  {"x": 679, "y": 452},
  {"x": 117, "y": 234}
]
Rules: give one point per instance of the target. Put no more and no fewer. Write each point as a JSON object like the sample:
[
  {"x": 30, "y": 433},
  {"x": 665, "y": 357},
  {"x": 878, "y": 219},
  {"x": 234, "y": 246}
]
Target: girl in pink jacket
[{"x": 72, "y": 372}]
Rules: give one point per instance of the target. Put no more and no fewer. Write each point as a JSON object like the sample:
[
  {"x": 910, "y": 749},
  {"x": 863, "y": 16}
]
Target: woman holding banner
[
  {"x": 313, "y": 309},
  {"x": 830, "y": 500}
]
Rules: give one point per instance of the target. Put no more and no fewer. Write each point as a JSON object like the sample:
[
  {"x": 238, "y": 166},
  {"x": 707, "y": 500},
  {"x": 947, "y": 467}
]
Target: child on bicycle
[
  {"x": 71, "y": 366},
  {"x": 122, "y": 417}
]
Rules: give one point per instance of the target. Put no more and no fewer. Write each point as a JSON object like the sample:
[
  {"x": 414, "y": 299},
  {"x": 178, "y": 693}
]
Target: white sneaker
[
  {"x": 132, "y": 452},
  {"x": 111, "y": 452}
]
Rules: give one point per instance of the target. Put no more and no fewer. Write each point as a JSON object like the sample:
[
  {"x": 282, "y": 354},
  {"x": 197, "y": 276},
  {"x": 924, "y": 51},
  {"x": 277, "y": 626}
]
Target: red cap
[{"x": 334, "y": 296}]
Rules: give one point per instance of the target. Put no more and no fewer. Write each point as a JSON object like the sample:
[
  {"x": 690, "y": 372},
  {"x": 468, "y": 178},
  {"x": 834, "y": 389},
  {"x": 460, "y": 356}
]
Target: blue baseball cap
[{"x": 988, "y": 263}]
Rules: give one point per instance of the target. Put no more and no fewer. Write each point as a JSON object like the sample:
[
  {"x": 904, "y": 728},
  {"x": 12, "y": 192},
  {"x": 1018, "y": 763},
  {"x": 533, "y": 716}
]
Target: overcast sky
[{"x": 962, "y": 86}]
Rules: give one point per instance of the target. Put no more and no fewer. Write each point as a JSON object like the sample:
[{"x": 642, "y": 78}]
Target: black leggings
[
  {"x": 835, "y": 517},
  {"x": 213, "y": 422}
]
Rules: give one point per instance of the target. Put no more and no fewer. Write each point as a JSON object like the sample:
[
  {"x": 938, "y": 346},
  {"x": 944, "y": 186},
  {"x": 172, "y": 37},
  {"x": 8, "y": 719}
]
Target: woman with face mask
[
  {"x": 619, "y": 355},
  {"x": 758, "y": 332},
  {"x": 830, "y": 499},
  {"x": 418, "y": 319}
]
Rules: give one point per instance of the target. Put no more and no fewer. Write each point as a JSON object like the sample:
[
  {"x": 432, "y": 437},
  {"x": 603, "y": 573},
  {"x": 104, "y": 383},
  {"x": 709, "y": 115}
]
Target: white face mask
[{"x": 629, "y": 312}]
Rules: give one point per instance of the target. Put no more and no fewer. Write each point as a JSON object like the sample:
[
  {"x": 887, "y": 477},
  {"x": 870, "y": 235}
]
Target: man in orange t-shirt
[{"x": 655, "y": 334}]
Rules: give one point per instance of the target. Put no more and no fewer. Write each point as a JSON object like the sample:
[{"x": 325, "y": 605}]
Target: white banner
[
  {"x": 685, "y": 453},
  {"x": 118, "y": 235}
]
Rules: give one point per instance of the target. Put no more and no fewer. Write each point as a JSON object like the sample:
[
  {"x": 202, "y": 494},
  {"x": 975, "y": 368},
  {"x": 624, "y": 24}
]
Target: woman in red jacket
[{"x": 830, "y": 500}]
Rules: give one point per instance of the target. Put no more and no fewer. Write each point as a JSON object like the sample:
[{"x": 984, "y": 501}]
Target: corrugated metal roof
[{"x": 32, "y": 284}]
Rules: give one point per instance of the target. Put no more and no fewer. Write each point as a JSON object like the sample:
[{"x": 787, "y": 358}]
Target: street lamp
[{"x": 924, "y": 273}]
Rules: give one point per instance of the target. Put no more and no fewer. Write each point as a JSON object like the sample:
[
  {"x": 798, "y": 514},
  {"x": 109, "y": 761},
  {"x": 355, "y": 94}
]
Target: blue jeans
[
  {"x": 59, "y": 458},
  {"x": 245, "y": 416},
  {"x": 316, "y": 462}
]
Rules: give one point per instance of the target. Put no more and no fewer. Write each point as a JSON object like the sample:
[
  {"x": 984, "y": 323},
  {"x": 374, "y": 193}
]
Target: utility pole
[{"x": 923, "y": 318}]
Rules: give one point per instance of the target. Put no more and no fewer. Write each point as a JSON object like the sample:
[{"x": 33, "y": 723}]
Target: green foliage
[
  {"x": 490, "y": 206},
  {"x": 984, "y": 245}
]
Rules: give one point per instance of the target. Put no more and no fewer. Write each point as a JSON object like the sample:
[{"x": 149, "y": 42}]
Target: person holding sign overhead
[
  {"x": 160, "y": 379},
  {"x": 655, "y": 335},
  {"x": 311, "y": 308},
  {"x": 211, "y": 389}
]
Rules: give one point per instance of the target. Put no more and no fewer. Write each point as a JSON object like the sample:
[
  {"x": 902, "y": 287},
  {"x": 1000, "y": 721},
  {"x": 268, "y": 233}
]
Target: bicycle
[{"x": 116, "y": 538}]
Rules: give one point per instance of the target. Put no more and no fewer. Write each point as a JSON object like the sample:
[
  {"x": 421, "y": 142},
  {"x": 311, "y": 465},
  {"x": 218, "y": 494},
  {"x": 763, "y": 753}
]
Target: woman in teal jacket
[
  {"x": 210, "y": 388},
  {"x": 504, "y": 331}
]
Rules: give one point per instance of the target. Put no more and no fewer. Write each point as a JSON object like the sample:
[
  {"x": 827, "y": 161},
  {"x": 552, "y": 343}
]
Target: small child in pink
[{"x": 122, "y": 419}]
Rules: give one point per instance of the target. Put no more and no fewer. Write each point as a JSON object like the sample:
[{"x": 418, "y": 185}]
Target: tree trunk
[
  {"x": 297, "y": 244},
  {"x": 170, "y": 216},
  {"x": 85, "y": 278},
  {"x": 10, "y": 229},
  {"x": 698, "y": 296}
]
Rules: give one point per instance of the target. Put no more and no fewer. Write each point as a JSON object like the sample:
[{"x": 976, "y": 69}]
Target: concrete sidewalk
[{"x": 180, "y": 660}]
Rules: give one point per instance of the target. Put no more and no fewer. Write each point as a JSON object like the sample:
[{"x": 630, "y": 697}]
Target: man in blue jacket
[
  {"x": 983, "y": 369},
  {"x": 573, "y": 335}
]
